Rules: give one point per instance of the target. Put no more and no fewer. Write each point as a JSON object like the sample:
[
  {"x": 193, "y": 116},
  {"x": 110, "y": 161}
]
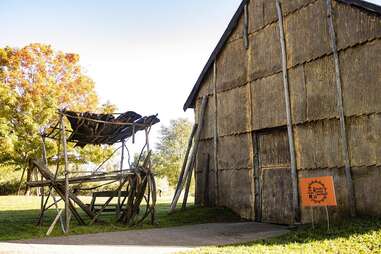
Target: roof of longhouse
[{"x": 369, "y": 7}]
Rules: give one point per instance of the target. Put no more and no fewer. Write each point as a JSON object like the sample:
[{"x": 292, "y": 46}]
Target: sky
[{"x": 144, "y": 56}]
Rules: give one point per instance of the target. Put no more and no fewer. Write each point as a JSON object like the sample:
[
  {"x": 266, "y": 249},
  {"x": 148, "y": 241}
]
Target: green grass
[
  {"x": 18, "y": 216},
  {"x": 361, "y": 235}
]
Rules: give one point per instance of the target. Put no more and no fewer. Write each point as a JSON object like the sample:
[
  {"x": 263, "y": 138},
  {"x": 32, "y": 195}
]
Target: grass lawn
[
  {"x": 18, "y": 216},
  {"x": 355, "y": 236}
]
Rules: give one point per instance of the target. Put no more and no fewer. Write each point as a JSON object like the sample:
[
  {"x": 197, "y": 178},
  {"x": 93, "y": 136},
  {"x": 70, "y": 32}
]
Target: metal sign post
[{"x": 318, "y": 192}]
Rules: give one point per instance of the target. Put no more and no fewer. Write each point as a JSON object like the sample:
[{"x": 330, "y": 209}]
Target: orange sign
[{"x": 317, "y": 191}]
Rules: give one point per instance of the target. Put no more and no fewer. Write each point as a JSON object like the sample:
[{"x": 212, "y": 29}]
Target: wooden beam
[
  {"x": 60, "y": 188},
  {"x": 181, "y": 175},
  {"x": 106, "y": 122},
  {"x": 246, "y": 27},
  {"x": 187, "y": 187},
  {"x": 66, "y": 192},
  {"x": 340, "y": 109},
  {"x": 294, "y": 174},
  {"x": 215, "y": 133},
  {"x": 205, "y": 178},
  {"x": 192, "y": 156}
]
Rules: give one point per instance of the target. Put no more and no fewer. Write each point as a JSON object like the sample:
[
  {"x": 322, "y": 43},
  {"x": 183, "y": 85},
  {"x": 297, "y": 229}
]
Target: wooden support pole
[
  {"x": 54, "y": 223},
  {"x": 45, "y": 159},
  {"x": 119, "y": 208},
  {"x": 215, "y": 132},
  {"x": 122, "y": 156},
  {"x": 63, "y": 135},
  {"x": 205, "y": 177},
  {"x": 43, "y": 202},
  {"x": 150, "y": 180},
  {"x": 80, "y": 179},
  {"x": 258, "y": 180},
  {"x": 55, "y": 203},
  {"x": 294, "y": 174},
  {"x": 60, "y": 189},
  {"x": 340, "y": 108},
  {"x": 192, "y": 156},
  {"x": 246, "y": 27},
  {"x": 22, "y": 177},
  {"x": 133, "y": 134},
  {"x": 55, "y": 174},
  {"x": 181, "y": 175},
  {"x": 187, "y": 187}
]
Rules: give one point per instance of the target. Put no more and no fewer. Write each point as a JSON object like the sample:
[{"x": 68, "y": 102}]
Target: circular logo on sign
[{"x": 317, "y": 192}]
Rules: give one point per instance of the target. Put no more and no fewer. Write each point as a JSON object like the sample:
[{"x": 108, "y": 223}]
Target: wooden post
[
  {"x": 327, "y": 214},
  {"x": 187, "y": 187},
  {"x": 181, "y": 175},
  {"x": 294, "y": 174},
  {"x": 246, "y": 27},
  {"x": 258, "y": 181},
  {"x": 118, "y": 209},
  {"x": 55, "y": 202},
  {"x": 312, "y": 217},
  {"x": 215, "y": 132},
  {"x": 151, "y": 181},
  {"x": 205, "y": 178},
  {"x": 67, "y": 211},
  {"x": 54, "y": 223},
  {"x": 45, "y": 159},
  {"x": 340, "y": 108},
  {"x": 193, "y": 153},
  {"x": 133, "y": 134},
  {"x": 22, "y": 177},
  {"x": 60, "y": 189}
]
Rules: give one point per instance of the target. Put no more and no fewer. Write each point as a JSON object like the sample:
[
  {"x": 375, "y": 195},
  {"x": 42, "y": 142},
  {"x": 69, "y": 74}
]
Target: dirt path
[{"x": 155, "y": 241}]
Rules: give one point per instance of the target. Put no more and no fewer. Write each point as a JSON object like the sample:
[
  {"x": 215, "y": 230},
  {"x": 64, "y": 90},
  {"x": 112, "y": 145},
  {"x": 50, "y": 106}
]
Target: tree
[
  {"x": 35, "y": 81},
  {"x": 171, "y": 148}
]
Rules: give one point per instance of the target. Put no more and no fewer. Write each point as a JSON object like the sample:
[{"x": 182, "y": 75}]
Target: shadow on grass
[{"x": 21, "y": 224}]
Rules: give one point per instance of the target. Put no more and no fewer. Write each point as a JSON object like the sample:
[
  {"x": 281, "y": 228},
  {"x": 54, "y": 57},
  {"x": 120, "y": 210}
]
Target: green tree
[
  {"x": 35, "y": 81},
  {"x": 171, "y": 148}
]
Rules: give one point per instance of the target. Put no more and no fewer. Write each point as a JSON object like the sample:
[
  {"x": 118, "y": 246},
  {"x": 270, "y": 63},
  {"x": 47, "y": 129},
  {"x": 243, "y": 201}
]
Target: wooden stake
[
  {"x": 340, "y": 108},
  {"x": 45, "y": 159},
  {"x": 327, "y": 214},
  {"x": 187, "y": 187},
  {"x": 246, "y": 28},
  {"x": 215, "y": 132},
  {"x": 206, "y": 182},
  {"x": 181, "y": 175},
  {"x": 118, "y": 209},
  {"x": 58, "y": 210},
  {"x": 193, "y": 153},
  {"x": 294, "y": 175},
  {"x": 54, "y": 223},
  {"x": 20, "y": 184},
  {"x": 63, "y": 135},
  {"x": 312, "y": 217}
]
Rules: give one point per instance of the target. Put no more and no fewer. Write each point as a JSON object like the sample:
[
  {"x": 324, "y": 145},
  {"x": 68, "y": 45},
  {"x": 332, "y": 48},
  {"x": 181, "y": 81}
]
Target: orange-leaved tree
[{"x": 35, "y": 81}]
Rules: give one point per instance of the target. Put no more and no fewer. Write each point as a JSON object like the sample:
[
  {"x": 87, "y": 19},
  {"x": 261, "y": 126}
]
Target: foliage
[
  {"x": 35, "y": 81},
  {"x": 9, "y": 180},
  {"x": 171, "y": 149},
  {"x": 107, "y": 108}
]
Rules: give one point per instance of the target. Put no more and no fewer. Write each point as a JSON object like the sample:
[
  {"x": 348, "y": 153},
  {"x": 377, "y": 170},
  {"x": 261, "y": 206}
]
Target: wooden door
[{"x": 274, "y": 187}]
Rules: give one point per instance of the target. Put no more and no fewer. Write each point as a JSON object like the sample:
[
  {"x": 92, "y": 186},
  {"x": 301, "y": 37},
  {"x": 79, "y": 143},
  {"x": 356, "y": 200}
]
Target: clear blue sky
[{"x": 143, "y": 55}]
